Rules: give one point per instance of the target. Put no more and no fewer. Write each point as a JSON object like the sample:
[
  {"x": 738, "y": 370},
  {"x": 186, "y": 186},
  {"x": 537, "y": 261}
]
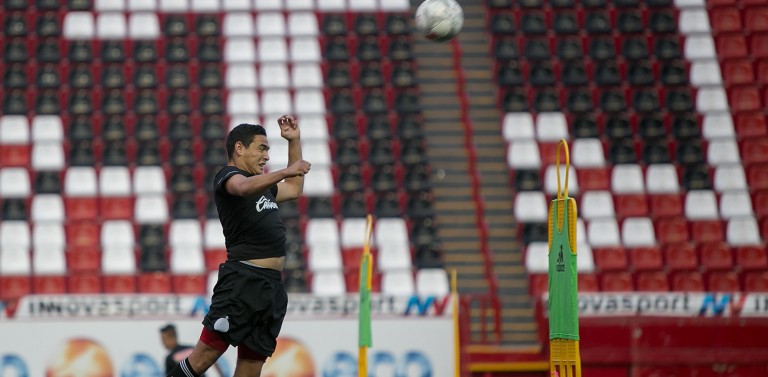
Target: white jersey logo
[{"x": 265, "y": 203}]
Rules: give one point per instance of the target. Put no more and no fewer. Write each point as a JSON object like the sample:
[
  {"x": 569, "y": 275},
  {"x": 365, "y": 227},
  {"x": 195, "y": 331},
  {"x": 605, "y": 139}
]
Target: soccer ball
[{"x": 439, "y": 20}]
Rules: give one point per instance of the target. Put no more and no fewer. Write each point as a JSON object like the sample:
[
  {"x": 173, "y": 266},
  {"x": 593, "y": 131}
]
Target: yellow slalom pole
[
  {"x": 456, "y": 343},
  {"x": 367, "y": 263}
]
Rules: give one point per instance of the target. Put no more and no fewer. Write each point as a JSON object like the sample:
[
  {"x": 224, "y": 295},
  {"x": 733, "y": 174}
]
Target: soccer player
[{"x": 249, "y": 300}]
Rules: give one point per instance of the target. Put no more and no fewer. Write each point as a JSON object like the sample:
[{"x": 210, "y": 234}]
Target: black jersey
[{"x": 252, "y": 226}]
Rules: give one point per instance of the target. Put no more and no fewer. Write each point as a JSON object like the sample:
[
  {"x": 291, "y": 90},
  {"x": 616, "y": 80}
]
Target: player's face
[{"x": 257, "y": 154}]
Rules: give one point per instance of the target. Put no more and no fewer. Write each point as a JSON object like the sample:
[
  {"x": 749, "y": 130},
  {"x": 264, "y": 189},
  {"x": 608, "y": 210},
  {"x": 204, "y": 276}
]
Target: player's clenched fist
[{"x": 299, "y": 168}]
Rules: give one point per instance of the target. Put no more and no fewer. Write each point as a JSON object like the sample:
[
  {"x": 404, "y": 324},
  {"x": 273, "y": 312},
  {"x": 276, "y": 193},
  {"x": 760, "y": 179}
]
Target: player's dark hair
[
  {"x": 243, "y": 133},
  {"x": 169, "y": 328}
]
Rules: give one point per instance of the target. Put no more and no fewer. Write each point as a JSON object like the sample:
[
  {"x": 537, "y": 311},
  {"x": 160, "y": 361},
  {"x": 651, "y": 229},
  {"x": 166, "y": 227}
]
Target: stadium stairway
[
  {"x": 454, "y": 185},
  {"x": 518, "y": 326}
]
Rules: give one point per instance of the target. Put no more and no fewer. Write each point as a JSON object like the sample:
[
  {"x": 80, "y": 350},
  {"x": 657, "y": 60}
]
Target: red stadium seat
[
  {"x": 352, "y": 278},
  {"x": 666, "y": 205},
  {"x": 688, "y": 281},
  {"x": 738, "y": 72},
  {"x": 731, "y": 46},
  {"x": 725, "y": 20},
  {"x": 617, "y": 282},
  {"x": 594, "y": 179},
  {"x": 155, "y": 282},
  {"x": 81, "y": 208},
  {"x": 756, "y": 281},
  {"x": 86, "y": 283},
  {"x": 751, "y": 124},
  {"x": 681, "y": 257},
  {"x": 610, "y": 259},
  {"x": 723, "y": 281},
  {"x": 189, "y": 284},
  {"x": 760, "y": 203},
  {"x": 707, "y": 231},
  {"x": 652, "y": 281},
  {"x": 539, "y": 284},
  {"x": 635, "y": 205},
  {"x": 716, "y": 256},
  {"x": 587, "y": 283},
  {"x": 756, "y": 19},
  {"x": 49, "y": 284},
  {"x": 762, "y": 72},
  {"x": 672, "y": 230},
  {"x": 83, "y": 234},
  {"x": 759, "y": 46},
  {"x": 754, "y": 150},
  {"x": 213, "y": 258},
  {"x": 83, "y": 259},
  {"x": 751, "y": 258},
  {"x": 15, "y": 155},
  {"x": 757, "y": 177},
  {"x": 646, "y": 258},
  {"x": 117, "y": 208},
  {"x": 119, "y": 283},
  {"x": 744, "y": 99},
  {"x": 12, "y": 287}
]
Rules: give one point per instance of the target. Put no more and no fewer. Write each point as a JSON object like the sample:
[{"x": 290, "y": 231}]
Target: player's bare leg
[{"x": 248, "y": 368}]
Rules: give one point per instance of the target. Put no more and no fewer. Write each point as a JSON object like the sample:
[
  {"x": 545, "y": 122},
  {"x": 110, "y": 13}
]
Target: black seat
[
  {"x": 505, "y": 49},
  {"x": 420, "y": 205},
  {"x": 80, "y": 52},
  {"x": 685, "y": 126},
  {"x": 602, "y": 49},
  {"x": 368, "y": 48},
  {"x": 651, "y": 126},
  {"x": 176, "y": 26},
  {"x": 562, "y": 3},
  {"x": 598, "y": 23},
  {"x": 182, "y": 180},
  {"x": 15, "y": 209},
  {"x": 656, "y": 151},
  {"x": 378, "y": 128},
  {"x": 338, "y": 76},
  {"x": 48, "y": 77},
  {"x": 635, "y": 48},
  {"x": 342, "y": 102},
  {"x": 112, "y": 77},
  {"x": 409, "y": 127},
  {"x": 646, "y": 101},
  {"x": 145, "y": 77},
  {"x": 618, "y": 127},
  {"x": 320, "y": 206},
  {"x": 371, "y": 76},
  {"x": 213, "y": 128},
  {"x": 344, "y": 127},
  {"x": 542, "y": 75},
  {"x": 81, "y": 77},
  {"x": 630, "y": 21},
  {"x": 16, "y": 4},
  {"x": 574, "y": 74},
  {"x": 337, "y": 50},
  {"x": 565, "y": 23},
  {"x": 374, "y": 102},
  {"x": 184, "y": 207},
  {"x": 673, "y": 73},
  {"x": 48, "y": 51},
  {"x": 180, "y": 128},
  {"x": 113, "y": 52},
  {"x": 182, "y": 154},
  {"x": 41, "y": 4},
  {"x": 579, "y": 101},
  {"x": 47, "y": 103},
  {"x": 640, "y": 73},
  {"x": 537, "y": 49},
  {"x": 403, "y": 75},
  {"x": 146, "y": 129},
  {"x": 115, "y": 154},
  {"x": 15, "y": 77},
  {"x": 510, "y": 75},
  {"x": 207, "y": 26},
  {"x": 146, "y": 103},
  {"x": 81, "y": 154},
  {"x": 176, "y": 51},
  {"x": 148, "y": 154},
  {"x": 690, "y": 152},
  {"x": 178, "y": 103},
  {"x": 546, "y": 100},
  {"x": 407, "y": 102},
  {"x": 607, "y": 74},
  {"x": 334, "y": 24},
  {"x": 113, "y": 129},
  {"x": 350, "y": 179},
  {"x": 667, "y": 48},
  {"x": 16, "y": 51},
  {"x": 16, "y": 26},
  {"x": 621, "y": 151},
  {"x": 423, "y": 232},
  {"x": 215, "y": 153},
  {"x": 679, "y": 100},
  {"x": 696, "y": 177},
  {"x": 413, "y": 152},
  {"x": 534, "y": 232},
  {"x": 366, "y": 25},
  {"x": 662, "y": 22},
  {"x": 210, "y": 103},
  {"x": 48, "y": 26},
  {"x": 570, "y": 49},
  {"x": 613, "y": 101},
  {"x": 145, "y": 52},
  {"x": 585, "y": 126},
  {"x": 397, "y": 24},
  {"x": 515, "y": 101},
  {"x": 417, "y": 178},
  {"x": 80, "y": 103},
  {"x": 353, "y": 205},
  {"x": 113, "y": 103},
  {"x": 47, "y": 182},
  {"x": 533, "y": 23},
  {"x": 383, "y": 179},
  {"x": 527, "y": 180},
  {"x": 80, "y": 129},
  {"x": 400, "y": 49},
  {"x": 502, "y": 23},
  {"x": 594, "y": 3},
  {"x": 380, "y": 153},
  {"x": 387, "y": 205}
]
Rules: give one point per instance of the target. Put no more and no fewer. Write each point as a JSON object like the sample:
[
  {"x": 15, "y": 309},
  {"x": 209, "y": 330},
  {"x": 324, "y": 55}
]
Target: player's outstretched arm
[
  {"x": 293, "y": 186},
  {"x": 241, "y": 185}
]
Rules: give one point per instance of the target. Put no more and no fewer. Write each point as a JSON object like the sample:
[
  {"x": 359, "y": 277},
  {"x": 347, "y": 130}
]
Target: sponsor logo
[{"x": 265, "y": 203}]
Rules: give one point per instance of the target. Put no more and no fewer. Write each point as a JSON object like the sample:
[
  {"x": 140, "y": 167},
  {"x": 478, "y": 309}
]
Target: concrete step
[
  {"x": 463, "y": 205},
  {"x": 461, "y": 245},
  {"x": 458, "y": 258}
]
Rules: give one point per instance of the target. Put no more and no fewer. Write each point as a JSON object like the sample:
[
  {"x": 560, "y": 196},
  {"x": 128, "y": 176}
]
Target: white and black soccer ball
[{"x": 439, "y": 20}]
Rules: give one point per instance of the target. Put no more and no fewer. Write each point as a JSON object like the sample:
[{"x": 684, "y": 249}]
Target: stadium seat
[
  {"x": 398, "y": 283},
  {"x": 328, "y": 283},
  {"x": 735, "y": 204},
  {"x": 14, "y": 287},
  {"x": 154, "y": 283},
  {"x": 118, "y": 260},
  {"x": 742, "y": 231},
  {"x": 638, "y": 231},
  {"x": 48, "y": 235},
  {"x": 50, "y": 207},
  {"x": 603, "y": 233},
  {"x": 755, "y": 19},
  {"x": 616, "y": 282},
  {"x": 705, "y": 72},
  {"x": 596, "y": 204},
  {"x": 645, "y": 258},
  {"x": 190, "y": 284},
  {"x": 634, "y": 205},
  {"x": 756, "y": 281},
  {"x": 752, "y": 123},
  {"x": 716, "y": 256},
  {"x": 729, "y": 178},
  {"x": 609, "y": 258},
  {"x": 151, "y": 209},
  {"x": 536, "y": 258},
  {"x": 723, "y": 281},
  {"x": 432, "y": 282},
  {"x": 707, "y": 231},
  {"x": 687, "y": 281},
  {"x": 49, "y": 260},
  {"x": 550, "y": 179},
  {"x": 322, "y": 256},
  {"x": 681, "y": 257},
  {"x": 751, "y": 258},
  {"x": 699, "y": 46},
  {"x": 627, "y": 179},
  {"x": 15, "y": 234},
  {"x": 187, "y": 259},
  {"x": 523, "y": 154},
  {"x": 15, "y": 183},
  {"x": 240, "y": 50},
  {"x": 588, "y": 153},
  {"x": 531, "y": 206},
  {"x": 701, "y": 205},
  {"x": 672, "y": 230},
  {"x": 652, "y": 281}
]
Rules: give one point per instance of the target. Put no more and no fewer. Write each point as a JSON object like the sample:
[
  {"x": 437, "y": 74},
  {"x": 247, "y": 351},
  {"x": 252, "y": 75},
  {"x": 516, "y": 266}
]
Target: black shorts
[{"x": 255, "y": 302}]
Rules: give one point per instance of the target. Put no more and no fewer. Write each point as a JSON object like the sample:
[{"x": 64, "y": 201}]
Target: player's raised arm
[{"x": 293, "y": 186}]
